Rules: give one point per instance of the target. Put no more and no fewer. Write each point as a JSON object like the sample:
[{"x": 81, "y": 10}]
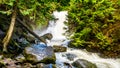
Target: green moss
[
  {"x": 49, "y": 60},
  {"x": 29, "y": 57}
]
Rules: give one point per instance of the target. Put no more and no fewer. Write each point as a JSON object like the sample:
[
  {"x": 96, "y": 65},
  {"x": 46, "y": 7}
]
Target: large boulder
[
  {"x": 59, "y": 48},
  {"x": 81, "y": 63},
  {"x": 39, "y": 53}
]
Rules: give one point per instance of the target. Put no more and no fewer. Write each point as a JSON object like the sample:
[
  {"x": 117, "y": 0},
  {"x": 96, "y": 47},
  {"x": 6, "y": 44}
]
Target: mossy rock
[
  {"x": 81, "y": 63},
  {"x": 41, "y": 65},
  {"x": 37, "y": 54},
  {"x": 49, "y": 60},
  {"x": 59, "y": 48},
  {"x": 29, "y": 57},
  {"x": 47, "y": 36}
]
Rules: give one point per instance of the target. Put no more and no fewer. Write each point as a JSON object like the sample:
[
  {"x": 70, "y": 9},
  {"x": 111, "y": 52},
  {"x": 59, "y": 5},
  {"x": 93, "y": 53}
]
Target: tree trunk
[{"x": 10, "y": 30}]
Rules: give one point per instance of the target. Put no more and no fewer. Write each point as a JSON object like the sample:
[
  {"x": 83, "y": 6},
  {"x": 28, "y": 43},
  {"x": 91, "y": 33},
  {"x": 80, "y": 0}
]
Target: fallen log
[{"x": 30, "y": 31}]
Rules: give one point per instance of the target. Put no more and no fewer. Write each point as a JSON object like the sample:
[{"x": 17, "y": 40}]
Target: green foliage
[
  {"x": 100, "y": 36},
  {"x": 119, "y": 2},
  {"x": 37, "y": 10},
  {"x": 88, "y": 18},
  {"x": 9, "y": 5},
  {"x": 83, "y": 34},
  {"x": 103, "y": 43}
]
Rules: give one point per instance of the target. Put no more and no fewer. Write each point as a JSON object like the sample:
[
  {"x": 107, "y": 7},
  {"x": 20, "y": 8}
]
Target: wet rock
[
  {"x": 81, "y": 63},
  {"x": 47, "y": 36},
  {"x": 71, "y": 56},
  {"x": 20, "y": 58},
  {"x": 41, "y": 65},
  {"x": 27, "y": 65},
  {"x": 59, "y": 48},
  {"x": 39, "y": 53}
]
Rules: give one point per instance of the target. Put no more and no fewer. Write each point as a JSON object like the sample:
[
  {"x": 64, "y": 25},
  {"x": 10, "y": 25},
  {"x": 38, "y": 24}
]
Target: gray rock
[
  {"x": 40, "y": 53},
  {"x": 47, "y": 36},
  {"x": 59, "y": 48},
  {"x": 81, "y": 63},
  {"x": 71, "y": 56}
]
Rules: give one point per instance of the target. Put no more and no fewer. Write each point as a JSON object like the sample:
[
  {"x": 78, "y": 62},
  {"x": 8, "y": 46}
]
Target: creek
[{"x": 56, "y": 29}]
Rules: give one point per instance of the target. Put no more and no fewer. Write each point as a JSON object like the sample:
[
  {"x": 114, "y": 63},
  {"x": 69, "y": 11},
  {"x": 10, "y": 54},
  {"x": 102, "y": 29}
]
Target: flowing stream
[{"x": 56, "y": 29}]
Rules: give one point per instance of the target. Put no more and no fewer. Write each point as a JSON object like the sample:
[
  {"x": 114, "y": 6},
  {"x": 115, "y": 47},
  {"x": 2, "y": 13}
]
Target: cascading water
[{"x": 56, "y": 29}]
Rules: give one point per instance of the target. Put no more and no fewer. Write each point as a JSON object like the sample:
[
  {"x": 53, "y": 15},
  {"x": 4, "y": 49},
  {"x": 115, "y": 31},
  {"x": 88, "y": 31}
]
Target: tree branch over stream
[{"x": 30, "y": 31}]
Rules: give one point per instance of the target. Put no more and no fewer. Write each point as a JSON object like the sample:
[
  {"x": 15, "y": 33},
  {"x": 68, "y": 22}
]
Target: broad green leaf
[{"x": 94, "y": 1}]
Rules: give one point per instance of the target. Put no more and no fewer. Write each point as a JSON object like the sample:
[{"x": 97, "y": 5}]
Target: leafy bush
[{"x": 88, "y": 19}]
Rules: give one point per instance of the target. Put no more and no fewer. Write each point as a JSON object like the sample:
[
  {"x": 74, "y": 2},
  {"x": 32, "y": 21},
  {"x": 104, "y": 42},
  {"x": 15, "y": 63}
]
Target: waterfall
[{"x": 56, "y": 29}]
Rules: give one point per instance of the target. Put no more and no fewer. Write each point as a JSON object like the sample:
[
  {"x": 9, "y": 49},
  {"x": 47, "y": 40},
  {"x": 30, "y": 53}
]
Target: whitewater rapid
[{"x": 56, "y": 29}]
